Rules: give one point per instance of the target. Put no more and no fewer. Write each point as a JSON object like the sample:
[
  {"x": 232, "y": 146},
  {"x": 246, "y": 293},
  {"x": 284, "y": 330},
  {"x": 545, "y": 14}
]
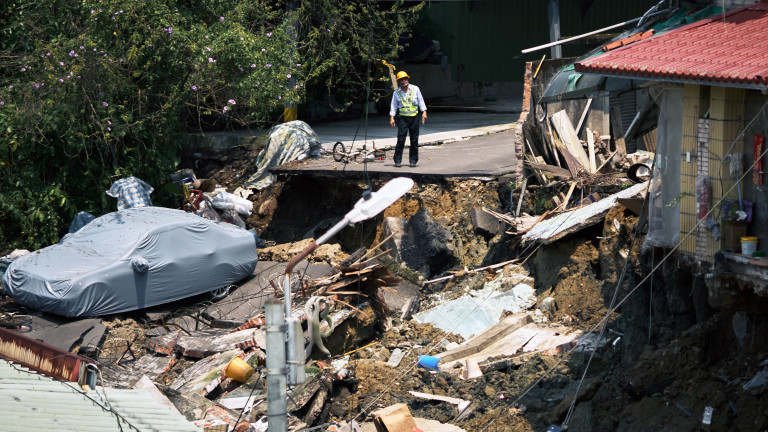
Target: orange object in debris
[{"x": 239, "y": 370}]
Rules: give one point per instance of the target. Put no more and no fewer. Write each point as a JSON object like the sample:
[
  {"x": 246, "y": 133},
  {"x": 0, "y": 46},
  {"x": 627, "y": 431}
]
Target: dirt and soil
[{"x": 670, "y": 356}]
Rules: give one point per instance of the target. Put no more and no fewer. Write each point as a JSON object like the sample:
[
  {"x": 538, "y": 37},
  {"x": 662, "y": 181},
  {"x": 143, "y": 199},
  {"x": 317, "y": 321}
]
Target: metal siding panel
[{"x": 486, "y": 37}]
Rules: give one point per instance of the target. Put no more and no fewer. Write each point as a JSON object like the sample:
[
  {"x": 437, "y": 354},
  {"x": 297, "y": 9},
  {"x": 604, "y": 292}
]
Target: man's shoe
[
  {"x": 413, "y": 164},
  {"x": 397, "y": 165}
]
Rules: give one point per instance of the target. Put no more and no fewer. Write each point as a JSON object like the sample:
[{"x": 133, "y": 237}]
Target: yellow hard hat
[{"x": 401, "y": 75}]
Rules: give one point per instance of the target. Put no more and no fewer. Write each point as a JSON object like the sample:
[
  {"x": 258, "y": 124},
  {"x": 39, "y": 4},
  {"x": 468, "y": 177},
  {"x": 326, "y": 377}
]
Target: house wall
[
  {"x": 756, "y": 110},
  {"x": 713, "y": 121}
]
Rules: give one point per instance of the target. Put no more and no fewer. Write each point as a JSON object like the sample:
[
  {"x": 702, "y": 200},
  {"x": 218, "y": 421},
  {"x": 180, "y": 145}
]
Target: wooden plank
[
  {"x": 551, "y": 143},
  {"x": 549, "y": 169},
  {"x": 568, "y": 195},
  {"x": 591, "y": 148},
  {"x": 618, "y": 133},
  {"x": 583, "y": 115},
  {"x": 569, "y": 138},
  {"x": 574, "y": 166},
  {"x": 536, "y": 171}
]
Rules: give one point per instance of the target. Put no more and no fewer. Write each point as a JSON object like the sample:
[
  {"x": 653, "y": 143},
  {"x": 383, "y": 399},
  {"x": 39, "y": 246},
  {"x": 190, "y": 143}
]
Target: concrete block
[{"x": 484, "y": 223}]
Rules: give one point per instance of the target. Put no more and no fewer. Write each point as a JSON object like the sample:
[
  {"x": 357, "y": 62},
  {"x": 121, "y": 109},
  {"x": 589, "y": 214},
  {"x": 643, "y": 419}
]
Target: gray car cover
[{"x": 132, "y": 259}]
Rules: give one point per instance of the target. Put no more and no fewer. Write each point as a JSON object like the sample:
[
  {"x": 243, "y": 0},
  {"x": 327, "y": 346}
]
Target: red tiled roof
[{"x": 730, "y": 49}]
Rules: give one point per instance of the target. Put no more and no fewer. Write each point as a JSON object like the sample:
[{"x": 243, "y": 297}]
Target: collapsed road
[{"x": 521, "y": 339}]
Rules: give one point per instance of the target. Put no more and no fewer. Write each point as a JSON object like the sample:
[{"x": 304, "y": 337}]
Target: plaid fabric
[{"x": 131, "y": 192}]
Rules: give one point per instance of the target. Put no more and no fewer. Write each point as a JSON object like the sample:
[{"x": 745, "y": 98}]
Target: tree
[{"x": 98, "y": 90}]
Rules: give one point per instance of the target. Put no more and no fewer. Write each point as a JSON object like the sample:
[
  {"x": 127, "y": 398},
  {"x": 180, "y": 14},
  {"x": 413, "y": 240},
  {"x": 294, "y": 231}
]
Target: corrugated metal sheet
[
  {"x": 483, "y": 39},
  {"x": 729, "y": 49},
  {"x": 30, "y": 401}
]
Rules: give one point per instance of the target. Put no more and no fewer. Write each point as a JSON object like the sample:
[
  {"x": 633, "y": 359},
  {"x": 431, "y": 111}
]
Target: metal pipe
[
  {"x": 554, "y": 28},
  {"x": 581, "y": 36},
  {"x": 277, "y": 399}
]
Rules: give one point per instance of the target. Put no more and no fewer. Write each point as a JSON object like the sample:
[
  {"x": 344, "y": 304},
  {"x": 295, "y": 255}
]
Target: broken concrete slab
[
  {"x": 486, "y": 338},
  {"x": 65, "y": 333},
  {"x": 546, "y": 338},
  {"x": 207, "y": 342},
  {"x": 550, "y": 230},
  {"x": 485, "y": 223},
  {"x": 129, "y": 373},
  {"x": 204, "y": 343},
  {"x": 205, "y": 374},
  {"x": 145, "y": 383},
  {"x": 480, "y": 309},
  {"x": 405, "y": 292},
  {"x": 248, "y": 299}
]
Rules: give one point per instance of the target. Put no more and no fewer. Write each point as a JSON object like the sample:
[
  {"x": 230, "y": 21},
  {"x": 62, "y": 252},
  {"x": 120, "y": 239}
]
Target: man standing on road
[{"x": 406, "y": 104}]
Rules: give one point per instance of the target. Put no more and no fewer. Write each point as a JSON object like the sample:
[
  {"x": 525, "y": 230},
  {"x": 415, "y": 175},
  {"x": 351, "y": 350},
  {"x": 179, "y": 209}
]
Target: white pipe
[{"x": 551, "y": 44}]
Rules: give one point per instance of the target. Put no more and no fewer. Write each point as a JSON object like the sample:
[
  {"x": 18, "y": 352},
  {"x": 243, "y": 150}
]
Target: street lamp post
[{"x": 285, "y": 363}]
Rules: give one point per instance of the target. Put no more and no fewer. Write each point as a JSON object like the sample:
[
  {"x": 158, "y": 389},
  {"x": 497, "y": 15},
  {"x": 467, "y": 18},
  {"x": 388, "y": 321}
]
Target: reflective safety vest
[{"x": 408, "y": 109}]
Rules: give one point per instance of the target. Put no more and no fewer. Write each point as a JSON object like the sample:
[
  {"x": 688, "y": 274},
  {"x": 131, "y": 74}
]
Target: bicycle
[{"x": 340, "y": 153}]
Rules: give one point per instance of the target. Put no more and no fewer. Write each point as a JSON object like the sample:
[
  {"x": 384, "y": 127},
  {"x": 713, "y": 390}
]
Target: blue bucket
[{"x": 428, "y": 362}]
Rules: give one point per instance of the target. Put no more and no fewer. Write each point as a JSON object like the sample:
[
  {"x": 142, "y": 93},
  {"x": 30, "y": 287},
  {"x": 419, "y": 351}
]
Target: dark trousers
[{"x": 407, "y": 126}]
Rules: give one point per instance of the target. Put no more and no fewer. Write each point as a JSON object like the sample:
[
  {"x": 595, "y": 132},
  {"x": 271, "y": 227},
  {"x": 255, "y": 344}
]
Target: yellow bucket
[{"x": 239, "y": 370}]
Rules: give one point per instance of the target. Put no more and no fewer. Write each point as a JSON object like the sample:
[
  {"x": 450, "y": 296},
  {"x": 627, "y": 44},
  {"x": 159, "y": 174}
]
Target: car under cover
[{"x": 132, "y": 259}]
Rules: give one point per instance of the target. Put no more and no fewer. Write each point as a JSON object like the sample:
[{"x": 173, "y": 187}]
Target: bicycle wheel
[{"x": 339, "y": 152}]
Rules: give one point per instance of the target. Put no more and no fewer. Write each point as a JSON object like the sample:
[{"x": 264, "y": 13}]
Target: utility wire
[{"x": 648, "y": 276}]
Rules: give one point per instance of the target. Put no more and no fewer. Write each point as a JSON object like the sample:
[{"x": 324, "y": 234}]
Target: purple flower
[
  {"x": 288, "y": 76},
  {"x": 210, "y": 60},
  {"x": 263, "y": 49},
  {"x": 269, "y": 64},
  {"x": 231, "y": 102},
  {"x": 206, "y": 36},
  {"x": 269, "y": 34},
  {"x": 221, "y": 18},
  {"x": 71, "y": 53},
  {"x": 10, "y": 86},
  {"x": 37, "y": 86},
  {"x": 61, "y": 63},
  {"x": 104, "y": 104},
  {"x": 61, "y": 79},
  {"x": 253, "y": 65},
  {"x": 241, "y": 69},
  {"x": 23, "y": 69},
  {"x": 194, "y": 87},
  {"x": 109, "y": 128},
  {"x": 109, "y": 122},
  {"x": 298, "y": 64},
  {"x": 207, "y": 49},
  {"x": 225, "y": 109},
  {"x": 47, "y": 54},
  {"x": 82, "y": 47},
  {"x": 2, "y": 103},
  {"x": 93, "y": 11},
  {"x": 279, "y": 97}
]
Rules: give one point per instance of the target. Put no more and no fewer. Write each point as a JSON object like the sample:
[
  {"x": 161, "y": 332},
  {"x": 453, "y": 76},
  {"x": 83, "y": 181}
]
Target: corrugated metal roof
[
  {"x": 729, "y": 49},
  {"x": 30, "y": 401}
]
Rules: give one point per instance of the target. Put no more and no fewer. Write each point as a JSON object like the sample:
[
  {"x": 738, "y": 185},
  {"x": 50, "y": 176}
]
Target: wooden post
[{"x": 618, "y": 133}]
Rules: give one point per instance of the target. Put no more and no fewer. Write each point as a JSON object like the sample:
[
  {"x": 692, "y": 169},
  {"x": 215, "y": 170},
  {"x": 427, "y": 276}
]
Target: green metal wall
[{"x": 483, "y": 38}]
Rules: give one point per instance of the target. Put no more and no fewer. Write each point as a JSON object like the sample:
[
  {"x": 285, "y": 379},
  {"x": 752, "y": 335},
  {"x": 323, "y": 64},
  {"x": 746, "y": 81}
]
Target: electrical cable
[{"x": 639, "y": 284}]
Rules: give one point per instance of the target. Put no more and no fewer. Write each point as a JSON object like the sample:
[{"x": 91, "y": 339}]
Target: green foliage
[{"x": 93, "y": 91}]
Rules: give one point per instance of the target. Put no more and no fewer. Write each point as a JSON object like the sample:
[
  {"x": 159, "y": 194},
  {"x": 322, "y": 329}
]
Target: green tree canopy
[{"x": 93, "y": 91}]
